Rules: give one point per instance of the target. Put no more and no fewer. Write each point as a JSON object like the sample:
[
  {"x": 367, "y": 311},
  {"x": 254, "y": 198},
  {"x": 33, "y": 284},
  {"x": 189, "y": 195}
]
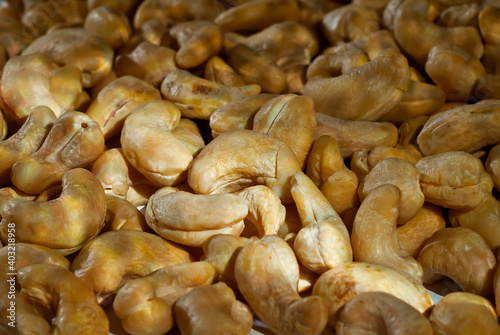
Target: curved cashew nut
[
  {"x": 488, "y": 24},
  {"x": 109, "y": 24},
  {"x": 338, "y": 63},
  {"x": 218, "y": 71},
  {"x": 106, "y": 261},
  {"x": 121, "y": 214},
  {"x": 65, "y": 223},
  {"x": 272, "y": 285},
  {"x": 66, "y": 87}
]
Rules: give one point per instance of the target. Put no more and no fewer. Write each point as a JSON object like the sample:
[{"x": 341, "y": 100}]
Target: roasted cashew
[
  {"x": 121, "y": 214},
  {"x": 337, "y": 63},
  {"x": 66, "y": 87},
  {"x": 218, "y": 71},
  {"x": 465, "y": 14},
  {"x": 488, "y": 24},
  {"x": 66, "y": 223},
  {"x": 110, "y": 24},
  {"x": 123, "y": 6}
]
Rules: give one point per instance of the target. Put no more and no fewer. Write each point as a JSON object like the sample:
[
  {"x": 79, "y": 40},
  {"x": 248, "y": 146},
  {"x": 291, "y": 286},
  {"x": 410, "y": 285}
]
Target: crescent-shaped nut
[
  {"x": 78, "y": 47},
  {"x": 66, "y": 87},
  {"x": 243, "y": 158},
  {"x": 374, "y": 236},
  {"x": 492, "y": 165},
  {"x": 122, "y": 214},
  {"x": 464, "y": 257},
  {"x": 335, "y": 64},
  {"x": 109, "y": 259},
  {"x": 66, "y": 223},
  {"x": 146, "y": 305},
  {"x": 110, "y": 24},
  {"x": 324, "y": 159},
  {"x": 339, "y": 285},
  {"x": 26, "y": 141},
  {"x": 75, "y": 140},
  {"x": 218, "y": 71},
  {"x": 55, "y": 290},
  {"x": 488, "y": 24},
  {"x": 272, "y": 286},
  {"x": 380, "y": 313}
]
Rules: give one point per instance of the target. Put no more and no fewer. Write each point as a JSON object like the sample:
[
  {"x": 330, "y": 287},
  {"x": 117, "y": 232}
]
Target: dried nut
[
  {"x": 109, "y": 259},
  {"x": 151, "y": 147},
  {"x": 238, "y": 114},
  {"x": 123, "y": 6},
  {"x": 117, "y": 100},
  {"x": 25, "y": 141},
  {"x": 3, "y": 126},
  {"x": 267, "y": 161},
  {"x": 257, "y": 14},
  {"x": 212, "y": 310},
  {"x": 191, "y": 219},
  {"x": 323, "y": 242},
  {"x": 464, "y": 313},
  {"x": 218, "y": 71},
  {"x": 452, "y": 180},
  {"x": 146, "y": 305},
  {"x": 380, "y": 313},
  {"x": 465, "y": 14},
  {"x": 19, "y": 99},
  {"x": 291, "y": 119},
  {"x": 52, "y": 288},
  {"x": 413, "y": 234},
  {"x": 154, "y": 31},
  {"x": 110, "y": 24},
  {"x": 388, "y": 77},
  {"x": 265, "y": 210},
  {"x": 75, "y": 140},
  {"x": 188, "y": 133},
  {"x": 341, "y": 284},
  {"x": 221, "y": 251},
  {"x": 411, "y": 128},
  {"x": 338, "y": 63},
  {"x": 341, "y": 190},
  {"x": 12, "y": 36},
  {"x": 257, "y": 69},
  {"x": 402, "y": 174},
  {"x": 120, "y": 178},
  {"x": 492, "y": 165},
  {"x": 78, "y": 47},
  {"x": 121, "y": 214},
  {"x": 462, "y": 255},
  {"x": 7, "y": 193},
  {"x": 66, "y": 223},
  {"x": 168, "y": 11},
  {"x": 488, "y": 24},
  {"x": 198, "y": 40},
  {"x": 199, "y": 98},
  {"x": 66, "y": 87},
  {"x": 349, "y": 22},
  {"x": 272, "y": 286}
]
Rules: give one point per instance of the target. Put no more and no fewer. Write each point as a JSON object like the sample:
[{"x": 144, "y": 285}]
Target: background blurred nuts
[{"x": 110, "y": 24}]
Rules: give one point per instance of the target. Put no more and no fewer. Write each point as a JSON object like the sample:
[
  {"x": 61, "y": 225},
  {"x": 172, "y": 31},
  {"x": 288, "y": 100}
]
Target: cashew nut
[
  {"x": 218, "y": 71},
  {"x": 121, "y": 214},
  {"x": 110, "y": 24}
]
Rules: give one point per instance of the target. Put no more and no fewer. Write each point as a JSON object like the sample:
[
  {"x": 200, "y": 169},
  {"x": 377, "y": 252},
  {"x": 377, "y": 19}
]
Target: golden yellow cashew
[
  {"x": 121, "y": 214},
  {"x": 465, "y": 14},
  {"x": 337, "y": 63},
  {"x": 218, "y": 71},
  {"x": 110, "y": 24},
  {"x": 66, "y": 87},
  {"x": 488, "y": 24}
]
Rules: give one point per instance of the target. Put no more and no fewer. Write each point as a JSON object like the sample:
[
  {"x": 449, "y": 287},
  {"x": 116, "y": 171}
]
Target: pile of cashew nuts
[{"x": 197, "y": 166}]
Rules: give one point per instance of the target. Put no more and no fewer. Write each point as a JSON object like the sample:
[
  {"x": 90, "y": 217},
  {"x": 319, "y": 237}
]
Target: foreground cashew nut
[
  {"x": 272, "y": 286},
  {"x": 65, "y": 223},
  {"x": 121, "y": 214}
]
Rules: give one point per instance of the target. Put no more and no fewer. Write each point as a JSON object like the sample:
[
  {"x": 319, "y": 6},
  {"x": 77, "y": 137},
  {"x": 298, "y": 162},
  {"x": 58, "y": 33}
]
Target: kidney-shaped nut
[
  {"x": 75, "y": 140},
  {"x": 452, "y": 179},
  {"x": 465, "y": 128},
  {"x": 465, "y": 14},
  {"x": 212, "y": 310},
  {"x": 146, "y": 305},
  {"x": 324, "y": 159},
  {"x": 25, "y": 141},
  {"x": 191, "y": 219},
  {"x": 464, "y": 313},
  {"x": 291, "y": 119},
  {"x": 341, "y": 284},
  {"x": 66, "y": 87},
  {"x": 267, "y": 274},
  {"x": 388, "y": 77},
  {"x": 337, "y": 63},
  {"x": 110, "y": 24},
  {"x": 122, "y": 214},
  {"x": 65, "y": 223},
  {"x": 243, "y": 158},
  {"x": 109, "y": 259},
  {"x": 492, "y": 165},
  {"x": 78, "y": 47},
  {"x": 462, "y": 255},
  {"x": 488, "y": 24},
  {"x": 71, "y": 306},
  {"x": 217, "y": 70},
  {"x": 199, "y": 98},
  {"x": 380, "y": 313}
]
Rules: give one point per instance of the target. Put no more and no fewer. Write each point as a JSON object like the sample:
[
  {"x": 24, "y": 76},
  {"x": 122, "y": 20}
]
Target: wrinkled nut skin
[
  {"x": 388, "y": 77},
  {"x": 65, "y": 223},
  {"x": 25, "y": 141},
  {"x": 291, "y": 119},
  {"x": 464, "y": 313},
  {"x": 374, "y": 236},
  {"x": 75, "y": 140},
  {"x": 212, "y": 310},
  {"x": 464, "y": 257},
  {"x": 198, "y": 98},
  {"x": 117, "y": 100},
  {"x": 452, "y": 179},
  {"x": 268, "y": 161},
  {"x": 109, "y": 24},
  {"x": 339, "y": 285},
  {"x": 146, "y": 305},
  {"x": 121, "y": 214},
  {"x": 191, "y": 219},
  {"x": 272, "y": 285},
  {"x": 78, "y": 47},
  {"x": 56, "y": 290},
  {"x": 106, "y": 261},
  {"x": 465, "y": 128},
  {"x": 488, "y": 24},
  {"x": 380, "y": 313},
  {"x": 150, "y": 146}
]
